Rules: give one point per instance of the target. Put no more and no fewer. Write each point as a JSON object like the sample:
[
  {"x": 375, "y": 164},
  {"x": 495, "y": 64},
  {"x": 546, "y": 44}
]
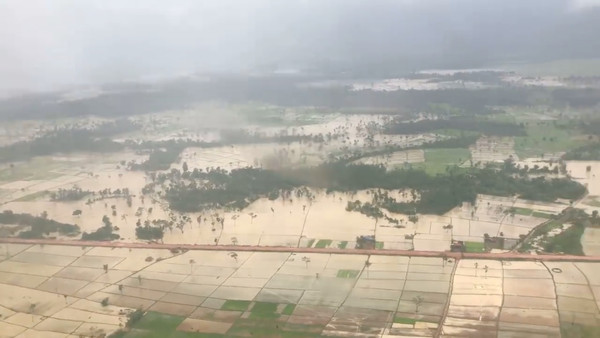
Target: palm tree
[
  {"x": 306, "y": 260},
  {"x": 234, "y": 255},
  {"x": 31, "y": 309},
  {"x": 367, "y": 265},
  {"x": 192, "y": 262},
  {"x": 417, "y": 300}
]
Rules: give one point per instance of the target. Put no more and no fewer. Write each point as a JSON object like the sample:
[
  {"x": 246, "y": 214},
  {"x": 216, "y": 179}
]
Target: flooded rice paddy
[{"x": 59, "y": 291}]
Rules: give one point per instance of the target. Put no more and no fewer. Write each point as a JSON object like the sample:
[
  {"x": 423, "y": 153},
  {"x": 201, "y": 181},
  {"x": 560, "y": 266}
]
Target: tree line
[{"x": 200, "y": 190}]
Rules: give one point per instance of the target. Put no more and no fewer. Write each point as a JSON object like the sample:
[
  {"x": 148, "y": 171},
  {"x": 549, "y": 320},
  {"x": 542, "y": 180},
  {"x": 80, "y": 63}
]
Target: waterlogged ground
[
  {"x": 25, "y": 187},
  {"x": 58, "y": 291}
]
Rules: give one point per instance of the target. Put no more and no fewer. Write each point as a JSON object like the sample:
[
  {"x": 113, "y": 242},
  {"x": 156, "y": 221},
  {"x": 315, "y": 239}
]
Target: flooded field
[
  {"x": 321, "y": 219},
  {"x": 57, "y": 290}
]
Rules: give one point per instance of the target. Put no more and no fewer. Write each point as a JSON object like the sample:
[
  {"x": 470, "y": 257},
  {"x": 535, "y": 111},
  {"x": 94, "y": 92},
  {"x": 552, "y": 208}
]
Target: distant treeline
[
  {"x": 589, "y": 152},
  {"x": 68, "y": 140},
  {"x": 285, "y": 91},
  {"x": 455, "y": 142},
  {"x": 164, "y": 153},
  {"x": 40, "y": 227},
  {"x": 591, "y": 127},
  {"x": 97, "y": 139},
  {"x": 240, "y": 187},
  {"x": 468, "y": 124}
]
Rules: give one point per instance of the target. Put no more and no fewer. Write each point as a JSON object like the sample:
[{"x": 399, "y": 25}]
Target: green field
[
  {"x": 568, "y": 241},
  {"x": 323, "y": 243},
  {"x": 542, "y": 214},
  {"x": 262, "y": 322},
  {"x": 342, "y": 245},
  {"x": 578, "y": 330},
  {"x": 236, "y": 305},
  {"x": 521, "y": 211},
  {"x": 264, "y": 310},
  {"x": 289, "y": 309},
  {"x": 156, "y": 325},
  {"x": 404, "y": 320},
  {"x": 547, "y": 138},
  {"x": 347, "y": 273},
  {"x": 437, "y": 160},
  {"x": 474, "y": 247}
]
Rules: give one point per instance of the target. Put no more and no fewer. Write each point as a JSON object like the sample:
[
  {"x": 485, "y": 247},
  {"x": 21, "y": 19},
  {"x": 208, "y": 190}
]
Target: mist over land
[{"x": 299, "y": 168}]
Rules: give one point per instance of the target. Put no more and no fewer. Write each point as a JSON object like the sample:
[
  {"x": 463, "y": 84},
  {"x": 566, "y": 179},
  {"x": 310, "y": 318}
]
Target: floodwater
[{"x": 590, "y": 178}]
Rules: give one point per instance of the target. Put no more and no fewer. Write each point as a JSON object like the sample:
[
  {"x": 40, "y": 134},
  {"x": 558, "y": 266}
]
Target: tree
[
  {"x": 32, "y": 309},
  {"x": 306, "y": 260},
  {"x": 418, "y": 300}
]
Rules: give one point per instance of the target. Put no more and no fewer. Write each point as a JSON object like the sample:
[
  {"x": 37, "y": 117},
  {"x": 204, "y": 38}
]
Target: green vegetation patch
[
  {"x": 342, "y": 244},
  {"x": 182, "y": 334},
  {"x": 404, "y": 320},
  {"x": 347, "y": 273},
  {"x": 438, "y": 160},
  {"x": 540, "y": 214},
  {"x": 235, "y": 305},
  {"x": 40, "y": 227},
  {"x": 578, "y": 330},
  {"x": 289, "y": 309},
  {"x": 310, "y": 243},
  {"x": 157, "y": 325},
  {"x": 379, "y": 245},
  {"x": 323, "y": 243},
  {"x": 539, "y": 235},
  {"x": 521, "y": 211},
  {"x": 547, "y": 137},
  {"x": 588, "y": 152},
  {"x": 264, "y": 310},
  {"x": 568, "y": 241},
  {"x": 255, "y": 327},
  {"x": 474, "y": 247}
]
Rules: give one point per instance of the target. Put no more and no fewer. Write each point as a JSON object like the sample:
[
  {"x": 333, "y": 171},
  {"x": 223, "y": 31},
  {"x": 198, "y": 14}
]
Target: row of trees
[
  {"x": 39, "y": 226},
  {"x": 104, "y": 233},
  {"x": 459, "y": 123},
  {"x": 73, "y": 194},
  {"x": 201, "y": 190},
  {"x": 590, "y": 152},
  {"x": 68, "y": 140}
]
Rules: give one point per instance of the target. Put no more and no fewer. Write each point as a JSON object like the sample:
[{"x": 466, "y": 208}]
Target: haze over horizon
[{"x": 49, "y": 45}]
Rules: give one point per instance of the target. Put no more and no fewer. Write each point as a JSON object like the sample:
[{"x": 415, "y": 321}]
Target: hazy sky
[{"x": 46, "y": 44}]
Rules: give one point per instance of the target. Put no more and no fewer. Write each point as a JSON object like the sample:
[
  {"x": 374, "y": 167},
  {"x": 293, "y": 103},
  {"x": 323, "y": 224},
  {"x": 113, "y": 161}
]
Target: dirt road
[{"x": 455, "y": 255}]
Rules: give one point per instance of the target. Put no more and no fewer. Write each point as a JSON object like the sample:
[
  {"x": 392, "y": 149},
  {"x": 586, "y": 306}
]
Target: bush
[{"x": 134, "y": 317}]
